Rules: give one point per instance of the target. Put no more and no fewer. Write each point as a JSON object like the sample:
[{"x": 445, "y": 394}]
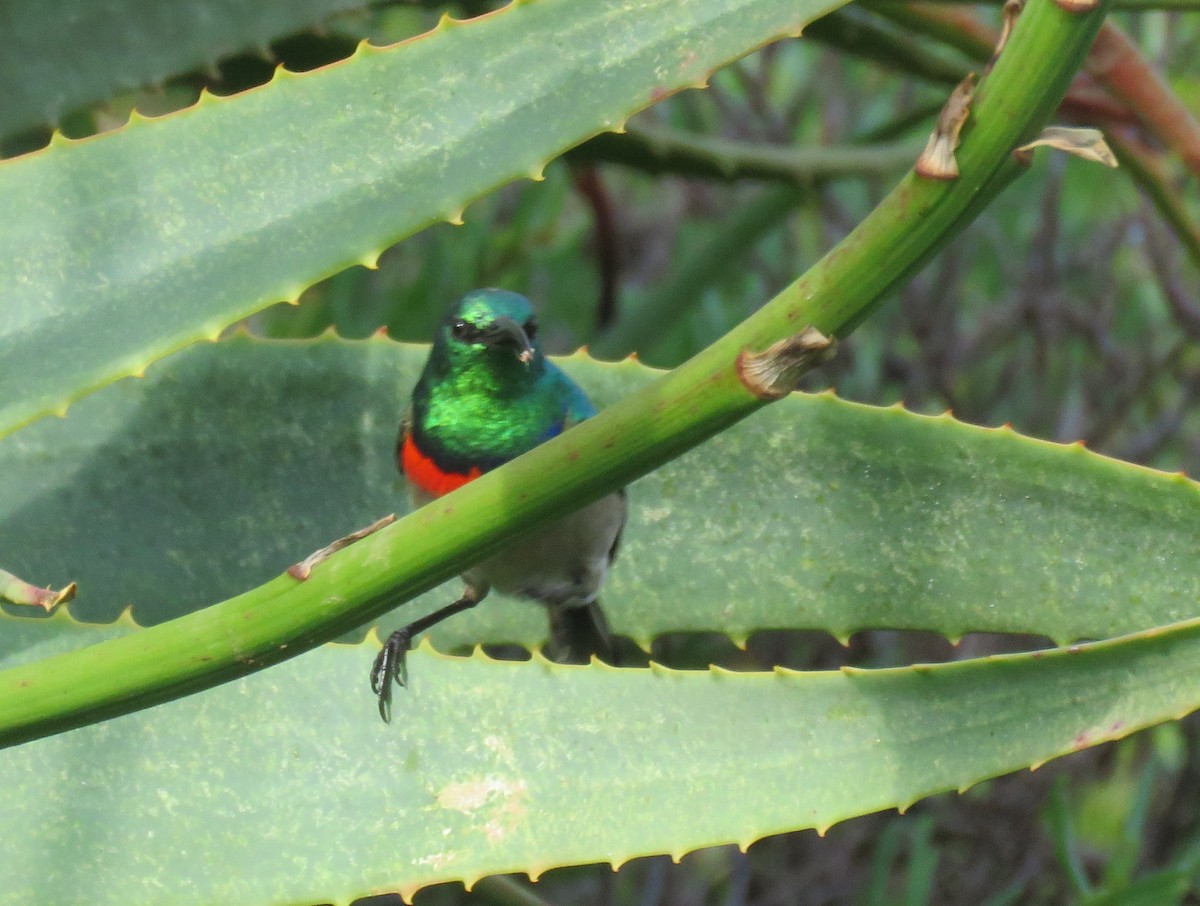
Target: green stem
[
  {"x": 656, "y": 150},
  {"x": 858, "y": 35},
  {"x": 285, "y": 617},
  {"x": 924, "y": 20},
  {"x": 1143, "y": 170}
]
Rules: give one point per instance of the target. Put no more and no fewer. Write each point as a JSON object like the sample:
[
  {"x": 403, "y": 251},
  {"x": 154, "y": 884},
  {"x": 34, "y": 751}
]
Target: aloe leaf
[
  {"x": 283, "y": 618},
  {"x": 57, "y": 58},
  {"x": 288, "y": 780},
  {"x": 163, "y": 233},
  {"x": 232, "y": 461}
]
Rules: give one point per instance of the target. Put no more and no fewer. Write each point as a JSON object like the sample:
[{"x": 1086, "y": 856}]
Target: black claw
[
  {"x": 392, "y": 661},
  {"x": 391, "y": 664}
]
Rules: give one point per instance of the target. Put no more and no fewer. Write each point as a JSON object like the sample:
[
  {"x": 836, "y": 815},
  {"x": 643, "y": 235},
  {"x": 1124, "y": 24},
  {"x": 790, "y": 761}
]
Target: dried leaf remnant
[
  {"x": 1081, "y": 141},
  {"x": 937, "y": 160},
  {"x": 18, "y": 591},
  {"x": 776, "y": 371},
  {"x": 1012, "y": 11},
  {"x": 304, "y": 568}
]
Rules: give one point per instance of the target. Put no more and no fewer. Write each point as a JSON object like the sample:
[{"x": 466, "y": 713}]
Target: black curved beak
[{"x": 507, "y": 332}]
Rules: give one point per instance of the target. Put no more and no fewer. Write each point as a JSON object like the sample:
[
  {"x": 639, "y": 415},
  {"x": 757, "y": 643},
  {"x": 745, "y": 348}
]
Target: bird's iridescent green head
[
  {"x": 487, "y": 393},
  {"x": 490, "y": 328}
]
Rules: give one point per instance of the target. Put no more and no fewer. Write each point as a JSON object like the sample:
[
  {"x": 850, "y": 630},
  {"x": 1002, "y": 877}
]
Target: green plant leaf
[
  {"x": 163, "y": 233},
  {"x": 57, "y": 59},
  {"x": 284, "y": 618},
  {"x": 288, "y": 780},
  {"x": 234, "y": 460}
]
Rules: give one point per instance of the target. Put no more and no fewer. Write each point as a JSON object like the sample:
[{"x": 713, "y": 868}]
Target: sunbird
[{"x": 488, "y": 394}]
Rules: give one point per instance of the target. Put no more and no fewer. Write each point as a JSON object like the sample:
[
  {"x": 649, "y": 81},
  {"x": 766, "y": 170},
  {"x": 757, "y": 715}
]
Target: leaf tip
[
  {"x": 126, "y": 618},
  {"x": 659, "y": 669},
  {"x": 538, "y": 656}
]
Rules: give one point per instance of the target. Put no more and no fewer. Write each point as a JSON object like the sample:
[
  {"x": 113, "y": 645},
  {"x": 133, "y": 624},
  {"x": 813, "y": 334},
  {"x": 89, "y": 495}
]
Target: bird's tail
[{"x": 576, "y": 633}]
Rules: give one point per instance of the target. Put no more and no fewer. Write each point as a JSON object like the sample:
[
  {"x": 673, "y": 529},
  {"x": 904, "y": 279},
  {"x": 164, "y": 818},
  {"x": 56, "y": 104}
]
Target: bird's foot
[
  {"x": 392, "y": 662},
  {"x": 391, "y": 665}
]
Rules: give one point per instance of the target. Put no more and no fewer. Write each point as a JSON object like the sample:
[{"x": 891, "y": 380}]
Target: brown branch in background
[
  {"x": 1150, "y": 442},
  {"x": 590, "y": 186},
  {"x": 1144, "y": 168},
  {"x": 1164, "y": 262},
  {"x": 1088, "y": 102},
  {"x": 1117, "y": 64}
]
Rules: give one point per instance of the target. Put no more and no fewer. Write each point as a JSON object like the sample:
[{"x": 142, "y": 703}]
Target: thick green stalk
[{"x": 285, "y": 617}]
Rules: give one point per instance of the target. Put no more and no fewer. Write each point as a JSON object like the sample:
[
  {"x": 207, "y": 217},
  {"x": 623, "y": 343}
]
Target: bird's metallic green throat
[{"x": 487, "y": 393}]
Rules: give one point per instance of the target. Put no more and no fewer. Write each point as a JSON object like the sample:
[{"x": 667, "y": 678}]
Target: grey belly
[{"x": 563, "y": 564}]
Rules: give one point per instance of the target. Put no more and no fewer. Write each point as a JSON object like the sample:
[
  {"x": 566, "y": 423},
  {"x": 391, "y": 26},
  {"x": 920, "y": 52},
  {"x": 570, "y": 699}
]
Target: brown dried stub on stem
[
  {"x": 937, "y": 160},
  {"x": 776, "y": 371},
  {"x": 304, "y": 568},
  {"x": 1012, "y": 11},
  {"x": 1082, "y": 141},
  {"x": 18, "y": 591}
]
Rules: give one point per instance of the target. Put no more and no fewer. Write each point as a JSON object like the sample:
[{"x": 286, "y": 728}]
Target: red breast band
[{"x": 422, "y": 471}]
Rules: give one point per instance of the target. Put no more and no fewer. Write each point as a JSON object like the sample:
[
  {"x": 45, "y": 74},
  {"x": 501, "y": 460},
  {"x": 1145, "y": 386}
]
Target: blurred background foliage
[{"x": 1070, "y": 309}]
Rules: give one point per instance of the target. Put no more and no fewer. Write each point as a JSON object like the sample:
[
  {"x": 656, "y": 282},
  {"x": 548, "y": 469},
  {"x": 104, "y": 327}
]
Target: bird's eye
[
  {"x": 460, "y": 329},
  {"x": 531, "y": 328}
]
